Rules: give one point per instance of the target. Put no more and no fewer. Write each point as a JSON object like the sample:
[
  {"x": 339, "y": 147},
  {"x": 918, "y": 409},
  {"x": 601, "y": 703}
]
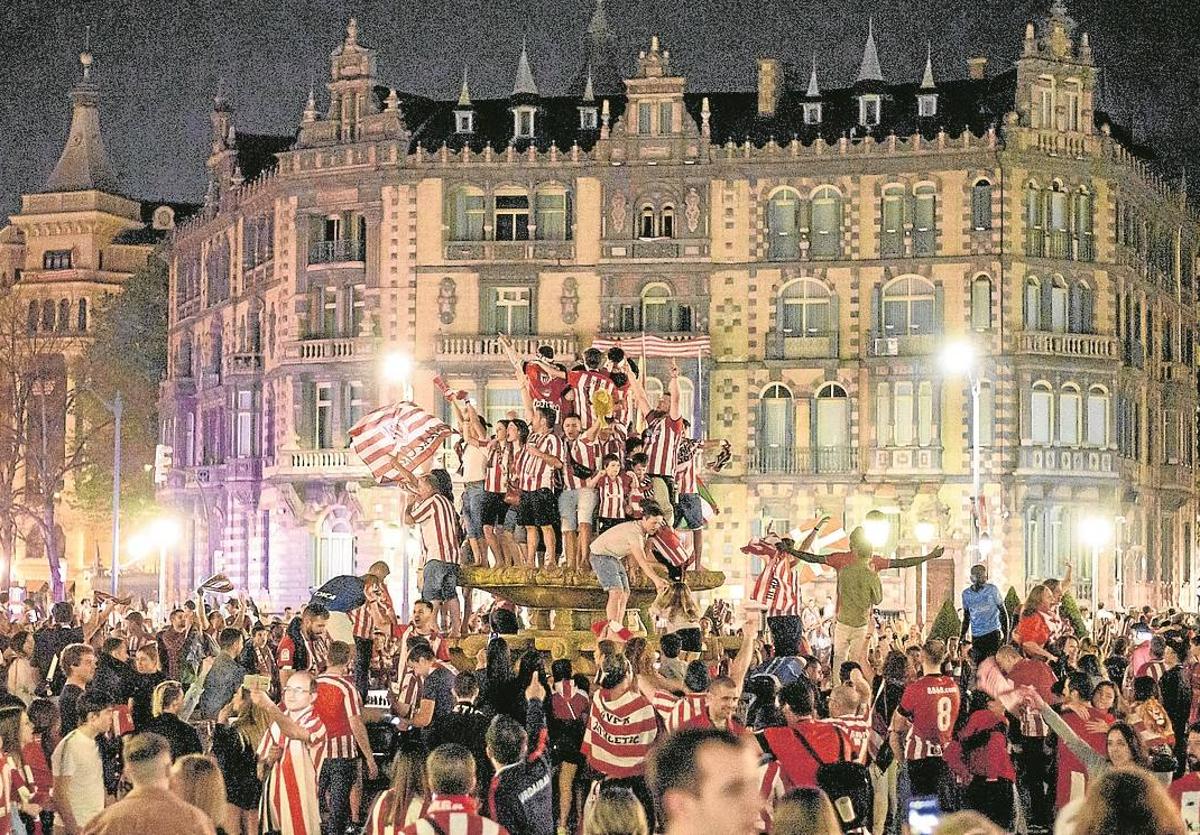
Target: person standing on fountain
[
  {"x": 543, "y": 454},
  {"x": 664, "y": 430},
  {"x": 609, "y": 549},
  {"x": 434, "y": 511},
  {"x": 858, "y": 588}
]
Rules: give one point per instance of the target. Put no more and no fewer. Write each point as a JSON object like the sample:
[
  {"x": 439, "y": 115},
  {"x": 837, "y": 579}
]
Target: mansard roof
[
  {"x": 557, "y": 123},
  {"x": 256, "y": 152}
]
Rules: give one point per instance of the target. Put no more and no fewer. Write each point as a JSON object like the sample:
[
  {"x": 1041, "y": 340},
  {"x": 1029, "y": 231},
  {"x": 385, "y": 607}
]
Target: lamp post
[
  {"x": 926, "y": 533},
  {"x": 117, "y": 408},
  {"x": 959, "y": 359},
  {"x": 1095, "y": 531}
]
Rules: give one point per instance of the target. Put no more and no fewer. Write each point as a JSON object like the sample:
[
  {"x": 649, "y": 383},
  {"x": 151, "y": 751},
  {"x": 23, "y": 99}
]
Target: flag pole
[{"x": 699, "y": 404}]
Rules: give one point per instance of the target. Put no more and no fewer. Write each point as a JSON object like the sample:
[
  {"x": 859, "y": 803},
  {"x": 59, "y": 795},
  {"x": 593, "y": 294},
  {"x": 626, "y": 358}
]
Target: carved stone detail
[
  {"x": 691, "y": 209},
  {"x": 447, "y": 300},
  {"x": 570, "y": 300}
]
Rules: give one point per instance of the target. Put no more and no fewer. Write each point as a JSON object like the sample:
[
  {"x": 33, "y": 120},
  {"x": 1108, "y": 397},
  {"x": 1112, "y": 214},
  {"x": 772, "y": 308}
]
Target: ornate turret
[
  {"x": 813, "y": 109},
  {"x": 869, "y": 71},
  {"x": 589, "y": 113},
  {"x": 927, "y": 95},
  {"x": 84, "y": 163},
  {"x": 464, "y": 110},
  {"x": 1056, "y": 77},
  {"x": 351, "y": 84},
  {"x": 869, "y": 86}
]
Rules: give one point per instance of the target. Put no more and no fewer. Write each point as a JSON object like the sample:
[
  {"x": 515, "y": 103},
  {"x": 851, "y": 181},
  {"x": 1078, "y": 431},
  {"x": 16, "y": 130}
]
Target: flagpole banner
[
  {"x": 684, "y": 346},
  {"x": 396, "y": 440}
]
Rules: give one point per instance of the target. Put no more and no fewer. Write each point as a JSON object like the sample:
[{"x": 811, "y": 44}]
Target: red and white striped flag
[
  {"x": 666, "y": 544},
  {"x": 217, "y": 584},
  {"x": 681, "y": 346},
  {"x": 396, "y": 440}
]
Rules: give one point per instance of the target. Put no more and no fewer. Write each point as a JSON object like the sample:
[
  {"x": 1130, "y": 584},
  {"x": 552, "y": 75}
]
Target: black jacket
[
  {"x": 466, "y": 725},
  {"x": 115, "y": 678},
  {"x": 47, "y": 644},
  {"x": 520, "y": 796}
]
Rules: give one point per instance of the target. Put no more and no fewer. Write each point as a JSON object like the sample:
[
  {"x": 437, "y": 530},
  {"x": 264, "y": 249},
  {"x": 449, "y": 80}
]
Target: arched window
[
  {"x": 924, "y": 220},
  {"x": 64, "y": 315},
  {"x": 185, "y": 357},
  {"x": 1058, "y": 304},
  {"x": 1069, "y": 415},
  {"x": 891, "y": 230},
  {"x": 1084, "y": 225},
  {"x": 1041, "y": 413},
  {"x": 832, "y": 429},
  {"x": 667, "y": 224},
  {"x": 1098, "y": 409},
  {"x": 981, "y": 206},
  {"x": 656, "y": 308},
  {"x": 775, "y": 429},
  {"x": 512, "y": 214},
  {"x": 1082, "y": 312},
  {"x": 552, "y": 213},
  {"x": 1059, "y": 223},
  {"x": 1035, "y": 221},
  {"x": 646, "y": 225},
  {"x": 826, "y": 222},
  {"x": 783, "y": 225},
  {"x": 81, "y": 322},
  {"x": 31, "y": 320},
  {"x": 334, "y": 551},
  {"x": 909, "y": 307},
  {"x": 981, "y": 303},
  {"x": 47, "y": 316},
  {"x": 1071, "y": 97},
  {"x": 1033, "y": 304},
  {"x": 804, "y": 308},
  {"x": 464, "y": 214}
]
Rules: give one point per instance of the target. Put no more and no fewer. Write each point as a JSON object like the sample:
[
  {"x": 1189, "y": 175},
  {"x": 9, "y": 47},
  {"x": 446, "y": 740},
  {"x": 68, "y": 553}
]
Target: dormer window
[
  {"x": 812, "y": 113},
  {"x": 927, "y": 105},
  {"x": 464, "y": 121},
  {"x": 589, "y": 118},
  {"x": 56, "y": 259},
  {"x": 523, "y": 122},
  {"x": 869, "y": 108}
]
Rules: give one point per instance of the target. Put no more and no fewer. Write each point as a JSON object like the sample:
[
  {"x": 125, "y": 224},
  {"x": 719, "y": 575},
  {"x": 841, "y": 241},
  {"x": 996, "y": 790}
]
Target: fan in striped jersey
[
  {"x": 620, "y": 730},
  {"x": 394, "y": 441}
]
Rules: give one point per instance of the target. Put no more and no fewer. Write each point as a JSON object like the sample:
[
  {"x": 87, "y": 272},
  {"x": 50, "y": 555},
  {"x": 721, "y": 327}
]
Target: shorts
[
  {"x": 474, "y": 497},
  {"x": 689, "y": 509},
  {"x": 589, "y": 500},
  {"x": 610, "y": 572},
  {"x": 439, "y": 580},
  {"x": 538, "y": 508},
  {"x": 568, "y": 510},
  {"x": 494, "y": 509},
  {"x": 690, "y": 640}
]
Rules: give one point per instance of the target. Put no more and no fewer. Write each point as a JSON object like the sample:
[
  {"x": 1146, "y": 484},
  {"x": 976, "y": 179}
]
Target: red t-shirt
[
  {"x": 931, "y": 705},
  {"x": 795, "y": 760},
  {"x": 1071, "y": 772},
  {"x": 1186, "y": 793},
  {"x": 1033, "y": 629},
  {"x": 990, "y": 760}
]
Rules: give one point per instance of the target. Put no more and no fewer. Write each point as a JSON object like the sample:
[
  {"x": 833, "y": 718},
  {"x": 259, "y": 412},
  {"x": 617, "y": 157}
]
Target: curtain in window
[
  {"x": 1068, "y": 417},
  {"x": 883, "y": 415},
  {"x": 981, "y": 206},
  {"x": 981, "y": 303},
  {"x": 552, "y": 216}
]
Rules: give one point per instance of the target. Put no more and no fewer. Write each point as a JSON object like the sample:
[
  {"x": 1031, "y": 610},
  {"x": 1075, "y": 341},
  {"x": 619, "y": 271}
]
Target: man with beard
[
  {"x": 305, "y": 645},
  {"x": 175, "y": 644},
  {"x": 259, "y": 658},
  {"x": 1186, "y": 790}
]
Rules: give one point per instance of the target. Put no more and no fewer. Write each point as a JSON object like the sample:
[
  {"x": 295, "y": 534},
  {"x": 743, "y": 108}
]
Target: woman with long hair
[
  {"x": 806, "y": 811},
  {"x": 166, "y": 703},
  {"x": 681, "y": 614},
  {"x": 240, "y": 727},
  {"x": 569, "y": 706},
  {"x": 1034, "y": 631},
  {"x": 401, "y": 804},
  {"x": 21, "y": 678},
  {"x": 1123, "y": 746},
  {"x": 16, "y": 732},
  {"x": 1127, "y": 801},
  {"x": 196, "y": 779},
  {"x": 615, "y": 811},
  {"x": 495, "y": 683}
]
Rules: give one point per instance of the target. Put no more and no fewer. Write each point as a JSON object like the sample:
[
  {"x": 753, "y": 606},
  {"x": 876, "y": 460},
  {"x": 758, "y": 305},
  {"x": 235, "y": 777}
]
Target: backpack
[{"x": 849, "y": 787}]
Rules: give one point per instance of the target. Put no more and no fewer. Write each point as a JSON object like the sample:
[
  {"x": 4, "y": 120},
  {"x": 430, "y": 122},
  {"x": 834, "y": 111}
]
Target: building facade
[
  {"x": 828, "y": 242},
  {"x": 73, "y": 244}
]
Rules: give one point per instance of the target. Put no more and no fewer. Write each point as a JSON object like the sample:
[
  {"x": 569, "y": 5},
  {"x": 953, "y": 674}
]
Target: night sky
[{"x": 159, "y": 63}]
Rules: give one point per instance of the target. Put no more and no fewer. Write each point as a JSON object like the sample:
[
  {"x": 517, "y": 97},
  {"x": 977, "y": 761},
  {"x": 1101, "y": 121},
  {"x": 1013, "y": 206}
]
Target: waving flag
[
  {"x": 217, "y": 584},
  {"x": 666, "y": 544},
  {"x": 396, "y": 440},
  {"x": 677, "y": 346}
]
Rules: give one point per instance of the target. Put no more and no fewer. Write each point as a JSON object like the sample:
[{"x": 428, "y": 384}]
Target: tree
[
  {"x": 1070, "y": 610},
  {"x": 127, "y": 354},
  {"x": 947, "y": 624},
  {"x": 42, "y": 442}
]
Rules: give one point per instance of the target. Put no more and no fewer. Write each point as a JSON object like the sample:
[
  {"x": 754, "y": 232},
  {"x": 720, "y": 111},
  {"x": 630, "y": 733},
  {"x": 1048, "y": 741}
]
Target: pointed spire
[
  {"x": 524, "y": 83},
  {"x": 927, "y": 79},
  {"x": 869, "y": 70},
  {"x": 464, "y": 95},
  {"x": 814, "y": 89},
  {"x": 598, "y": 26},
  {"x": 352, "y": 32},
  {"x": 310, "y": 106},
  {"x": 84, "y": 163},
  {"x": 588, "y": 93}
]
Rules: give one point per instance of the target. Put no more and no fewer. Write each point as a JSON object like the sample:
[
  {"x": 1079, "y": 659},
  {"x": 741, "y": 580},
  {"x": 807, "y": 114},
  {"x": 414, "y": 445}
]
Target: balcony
[
  {"x": 1067, "y": 461},
  {"x": 801, "y": 461},
  {"x": 1176, "y": 476},
  {"x": 336, "y": 252},
  {"x": 785, "y": 346},
  {"x": 479, "y": 347},
  {"x": 893, "y": 460},
  {"x": 1073, "y": 345},
  {"x": 510, "y": 251},
  {"x": 1059, "y": 244},
  {"x": 902, "y": 346},
  {"x": 341, "y": 349},
  {"x": 684, "y": 315},
  {"x": 657, "y": 250},
  {"x": 320, "y": 463}
]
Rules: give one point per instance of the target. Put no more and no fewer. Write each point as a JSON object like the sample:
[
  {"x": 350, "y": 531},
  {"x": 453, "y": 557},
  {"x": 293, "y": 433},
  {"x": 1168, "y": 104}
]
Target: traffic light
[{"x": 163, "y": 455}]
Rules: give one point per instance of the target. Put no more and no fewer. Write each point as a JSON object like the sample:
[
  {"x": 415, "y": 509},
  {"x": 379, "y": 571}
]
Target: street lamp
[
  {"x": 926, "y": 533},
  {"x": 960, "y": 359},
  {"x": 877, "y": 528},
  {"x": 1096, "y": 532},
  {"x": 397, "y": 369},
  {"x": 163, "y": 532}
]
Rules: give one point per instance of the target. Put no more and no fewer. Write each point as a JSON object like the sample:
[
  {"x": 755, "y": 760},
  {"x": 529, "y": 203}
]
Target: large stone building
[
  {"x": 829, "y": 241},
  {"x": 73, "y": 243}
]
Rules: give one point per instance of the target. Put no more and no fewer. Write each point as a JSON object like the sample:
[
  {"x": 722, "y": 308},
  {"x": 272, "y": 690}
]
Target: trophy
[{"x": 602, "y": 406}]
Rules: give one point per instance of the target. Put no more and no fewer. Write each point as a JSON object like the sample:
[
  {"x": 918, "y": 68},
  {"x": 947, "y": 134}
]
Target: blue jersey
[{"x": 983, "y": 608}]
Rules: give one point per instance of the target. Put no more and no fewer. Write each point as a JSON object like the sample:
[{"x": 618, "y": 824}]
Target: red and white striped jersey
[
  {"x": 583, "y": 453},
  {"x": 620, "y": 730},
  {"x": 613, "y": 496},
  {"x": 453, "y": 816},
  {"x": 290, "y": 790},
  {"x": 365, "y": 619},
  {"x": 639, "y": 492},
  {"x": 383, "y": 812},
  {"x": 337, "y": 703},
  {"x": 691, "y": 459},
  {"x": 858, "y": 730},
  {"x": 586, "y": 383},
  {"x": 496, "y": 477},
  {"x": 615, "y": 443},
  {"x": 677, "y": 711},
  {"x": 661, "y": 440},
  {"x": 437, "y": 641},
  {"x": 409, "y": 694},
  {"x": 667, "y": 545},
  {"x": 776, "y": 587},
  {"x": 536, "y": 474},
  {"x": 439, "y": 528}
]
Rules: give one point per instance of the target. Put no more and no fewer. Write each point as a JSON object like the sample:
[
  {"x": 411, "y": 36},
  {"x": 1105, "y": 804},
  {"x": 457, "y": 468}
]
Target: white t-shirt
[
  {"x": 78, "y": 757},
  {"x": 475, "y": 461}
]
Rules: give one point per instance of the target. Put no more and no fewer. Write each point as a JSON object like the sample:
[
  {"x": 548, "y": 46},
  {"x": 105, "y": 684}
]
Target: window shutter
[
  {"x": 883, "y": 415},
  {"x": 833, "y": 326},
  {"x": 877, "y": 310},
  {"x": 306, "y": 418},
  {"x": 1075, "y": 310},
  {"x": 938, "y": 305}
]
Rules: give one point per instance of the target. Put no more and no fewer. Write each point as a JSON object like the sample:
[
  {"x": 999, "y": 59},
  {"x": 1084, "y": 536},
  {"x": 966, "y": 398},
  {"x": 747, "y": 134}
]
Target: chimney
[
  {"x": 977, "y": 68},
  {"x": 770, "y": 85}
]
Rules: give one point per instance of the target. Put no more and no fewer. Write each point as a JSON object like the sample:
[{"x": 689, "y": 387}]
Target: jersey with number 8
[{"x": 931, "y": 705}]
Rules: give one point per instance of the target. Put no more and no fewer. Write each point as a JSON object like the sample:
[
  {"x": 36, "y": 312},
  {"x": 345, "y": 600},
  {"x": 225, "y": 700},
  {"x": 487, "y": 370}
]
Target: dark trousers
[
  {"x": 985, "y": 646},
  {"x": 333, "y": 788},
  {"x": 1032, "y": 759},
  {"x": 994, "y": 800},
  {"x": 362, "y": 665},
  {"x": 930, "y": 777}
]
